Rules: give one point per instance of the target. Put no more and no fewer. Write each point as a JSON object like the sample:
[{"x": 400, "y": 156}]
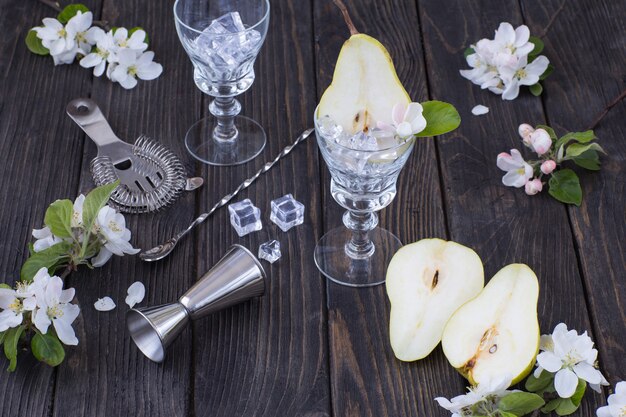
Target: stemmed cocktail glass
[
  {"x": 222, "y": 39},
  {"x": 363, "y": 182}
]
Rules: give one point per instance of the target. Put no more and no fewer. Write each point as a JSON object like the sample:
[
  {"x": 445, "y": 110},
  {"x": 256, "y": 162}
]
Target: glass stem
[
  {"x": 360, "y": 246},
  {"x": 225, "y": 109}
]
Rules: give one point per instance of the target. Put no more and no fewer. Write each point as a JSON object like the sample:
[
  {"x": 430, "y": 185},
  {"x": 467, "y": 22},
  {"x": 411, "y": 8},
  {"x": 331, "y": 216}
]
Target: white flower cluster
[
  {"x": 485, "y": 396},
  {"x": 502, "y": 64},
  {"x": 122, "y": 57},
  {"x": 617, "y": 403},
  {"x": 569, "y": 356},
  {"x": 109, "y": 227},
  {"x": 47, "y": 303}
]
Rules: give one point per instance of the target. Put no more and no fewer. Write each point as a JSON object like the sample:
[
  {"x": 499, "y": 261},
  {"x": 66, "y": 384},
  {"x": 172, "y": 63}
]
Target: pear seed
[{"x": 493, "y": 349}]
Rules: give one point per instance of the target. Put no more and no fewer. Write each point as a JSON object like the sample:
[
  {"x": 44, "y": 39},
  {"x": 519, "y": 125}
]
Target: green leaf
[
  {"x": 45, "y": 259},
  {"x": 135, "y": 29},
  {"x": 538, "y": 384},
  {"x": 580, "y": 137},
  {"x": 33, "y": 43},
  {"x": 549, "y": 130},
  {"x": 566, "y": 407},
  {"x": 7, "y": 286},
  {"x": 589, "y": 160},
  {"x": 469, "y": 51},
  {"x": 520, "y": 403},
  {"x": 536, "y": 89},
  {"x": 70, "y": 11},
  {"x": 579, "y": 393},
  {"x": 441, "y": 117},
  {"x": 506, "y": 414},
  {"x": 551, "y": 405},
  {"x": 2, "y": 336},
  {"x": 565, "y": 187},
  {"x": 11, "y": 338},
  {"x": 538, "y": 46},
  {"x": 547, "y": 72},
  {"x": 59, "y": 218},
  {"x": 576, "y": 149},
  {"x": 47, "y": 348},
  {"x": 94, "y": 201}
]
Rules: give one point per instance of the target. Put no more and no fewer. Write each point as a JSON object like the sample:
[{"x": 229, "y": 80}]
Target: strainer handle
[{"x": 87, "y": 115}]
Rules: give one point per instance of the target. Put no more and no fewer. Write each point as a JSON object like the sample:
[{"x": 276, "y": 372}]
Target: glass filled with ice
[
  {"x": 364, "y": 169},
  {"x": 223, "y": 39}
]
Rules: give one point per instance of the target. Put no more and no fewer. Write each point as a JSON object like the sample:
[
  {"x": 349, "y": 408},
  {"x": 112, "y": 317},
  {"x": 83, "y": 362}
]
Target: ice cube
[
  {"x": 328, "y": 128},
  {"x": 228, "y": 23},
  {"x": 363, "y": 142},
  {"x": 245, "y": 217},
  {"x": 270, "y": 251},
  {"x": 287, "y": 212}
]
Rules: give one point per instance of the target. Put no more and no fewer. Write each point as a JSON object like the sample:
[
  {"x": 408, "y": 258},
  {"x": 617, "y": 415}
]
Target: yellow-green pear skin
[
  {"x": 365, "y": 86},
  {"x": 496, "y": 333},
  {"x": 427, "y": 281}
]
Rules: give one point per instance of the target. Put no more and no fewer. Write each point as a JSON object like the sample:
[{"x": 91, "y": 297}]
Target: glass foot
[
  {"x": 201, "y": 145},
  {"x": 332, "y": 260}
]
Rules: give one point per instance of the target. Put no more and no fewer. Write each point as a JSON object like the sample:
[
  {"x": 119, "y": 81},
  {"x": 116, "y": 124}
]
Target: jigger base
[
  {"x": 249, "y": 143},
  {"x": 333, "y": 261}
]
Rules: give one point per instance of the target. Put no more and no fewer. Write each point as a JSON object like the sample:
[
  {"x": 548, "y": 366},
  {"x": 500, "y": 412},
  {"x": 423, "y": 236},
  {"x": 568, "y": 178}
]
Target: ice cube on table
[
  {"x": 270, "y": 251},
  {"x": 245, "y": 217},
  {"x": 287, "y": 212}
]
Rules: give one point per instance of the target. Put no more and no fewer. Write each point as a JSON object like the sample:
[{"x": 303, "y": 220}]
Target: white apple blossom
[
  {"x": 525, "y": 130},
  {"x": 488, "y": 392},
  {"x": 136, "y": 293},
  {"x": 111, "y": 226},
  {"x": 55, "y": 37},
  {"x": 14, "y": 303},
  {"x": 512, "y": 42},
  {"x": 131, "y": 66},
  {"x": 616, "y": 403},
  {"x": 45, "y": 239},
  {"x": 569, "y": 356},
  {"x": 136, "y": 41},
  {"x": 408, "y": 119},
  {"x": 54, "y": 307},
  {"x": 65, "y": 41},
  {"x": 522, "y": 73},
  {"x": 540, "y": 141},
  {"x": 105, "y": 52},
  {"x": 77, "y": 214},
  {"x": 533, "y": 186},
  {"x": 104, "y": 304},
  {"x": 518, "y": 171}
]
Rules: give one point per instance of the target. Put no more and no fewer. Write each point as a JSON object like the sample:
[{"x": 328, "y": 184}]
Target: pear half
[
  {"x": 365, "y": 86},
  {"x": 496, "y": 333},
  {"x": 427, "y": 281}
]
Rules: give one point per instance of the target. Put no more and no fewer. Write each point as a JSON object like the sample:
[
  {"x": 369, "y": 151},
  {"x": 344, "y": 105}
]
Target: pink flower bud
[
  {"x": 540, "y": 141},
  {"x": 533, "y": 187},
  {"x": 525, "y": 130},
  {"x": 548, "y": 166}
]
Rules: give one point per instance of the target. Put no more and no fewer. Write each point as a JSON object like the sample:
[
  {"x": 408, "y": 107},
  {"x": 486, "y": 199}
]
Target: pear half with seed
[
  {"x": 427, "y": 281},
  {"x": 496, "y": 333},
  {"x": 365, "y": 86}
]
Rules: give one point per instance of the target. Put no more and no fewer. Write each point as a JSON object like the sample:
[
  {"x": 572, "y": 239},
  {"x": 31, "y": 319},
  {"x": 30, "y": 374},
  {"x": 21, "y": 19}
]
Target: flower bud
[
  {"x": 533, "y": 186},
  {"x": 548, "y": 166},
  {"x": 540, "y": 141},
  {"x": 525, "y": 130}
]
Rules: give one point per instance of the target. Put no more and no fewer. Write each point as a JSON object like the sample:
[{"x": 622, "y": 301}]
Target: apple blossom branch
[{"x": 56, "y": 6}]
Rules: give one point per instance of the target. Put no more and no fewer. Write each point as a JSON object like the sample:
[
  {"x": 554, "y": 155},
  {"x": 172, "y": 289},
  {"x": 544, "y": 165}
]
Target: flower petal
[
  {"x": 104, "y": 304},
  {"x": 480, "y": 110},
  {"x": 65, "y": 332},
  {"x": 511, "y": 91},
  {"x": 397, "y": 113},
  {"x": 128, "y": 83},
  {"x": 136, "y": 293},
  {"x": 505, "y": 34},
  {"x": 41, "y": 320},
  {"x": 522, "y": 34},
  {"x": 103, "y": 256},
  {"x": 8, "y": 320},
  {"x": 565, "y": 382},
  {"x": 150, "y": 71},
  {"x": 549, "y": 361},
  {"x": 587, "y": 372}
]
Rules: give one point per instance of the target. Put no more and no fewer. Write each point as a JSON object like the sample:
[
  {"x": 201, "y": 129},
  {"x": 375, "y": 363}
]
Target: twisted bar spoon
[{"x": 164, "y": 249}]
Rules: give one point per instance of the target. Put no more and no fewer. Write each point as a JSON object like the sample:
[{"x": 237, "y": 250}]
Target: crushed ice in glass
[
  {"x": 287, "y": 212},
  {"x": 226, "y": 43},
  {"x": 372, "y": 140},
  {"x": 270, "y": 251},
  {"x": 245, "y": 217}
]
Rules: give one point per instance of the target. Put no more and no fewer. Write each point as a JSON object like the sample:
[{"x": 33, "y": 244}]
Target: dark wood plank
[
  {"x": 589, "y": 75},
  {"x": 106, "y": 374},
  {"x": 502, "y": 224},
  {"x": 41, "y": 160},
  {"x": 367, "y": 380},
  {"x": 268, "y": 357}
]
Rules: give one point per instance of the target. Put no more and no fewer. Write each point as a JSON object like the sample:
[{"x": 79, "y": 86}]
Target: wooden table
[{"x": 310, "y": 348}]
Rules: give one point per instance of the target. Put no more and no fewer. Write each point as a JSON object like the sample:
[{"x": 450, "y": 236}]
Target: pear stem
[{"x": 346, "y": 17}]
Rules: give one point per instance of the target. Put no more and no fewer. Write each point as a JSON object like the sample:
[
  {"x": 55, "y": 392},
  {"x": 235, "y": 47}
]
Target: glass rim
[
  {"x": 366, "y": 151},
  {"x": 264, "y": 18}
]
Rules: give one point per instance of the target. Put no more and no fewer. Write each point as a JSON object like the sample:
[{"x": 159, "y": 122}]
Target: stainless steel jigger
[{"x": 237, "y": 277}]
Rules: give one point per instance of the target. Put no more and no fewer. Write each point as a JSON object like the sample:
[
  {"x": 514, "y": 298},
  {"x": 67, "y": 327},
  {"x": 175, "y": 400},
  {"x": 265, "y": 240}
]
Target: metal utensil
[
  {"x": 164, "y": 249},
  {"x": 237, "y": 277},
  {"x": 151, "y": 176}
]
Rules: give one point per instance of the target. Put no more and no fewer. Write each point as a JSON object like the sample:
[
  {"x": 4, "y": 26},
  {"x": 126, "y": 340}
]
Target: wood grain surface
[{"x": 308, "y": 347}]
